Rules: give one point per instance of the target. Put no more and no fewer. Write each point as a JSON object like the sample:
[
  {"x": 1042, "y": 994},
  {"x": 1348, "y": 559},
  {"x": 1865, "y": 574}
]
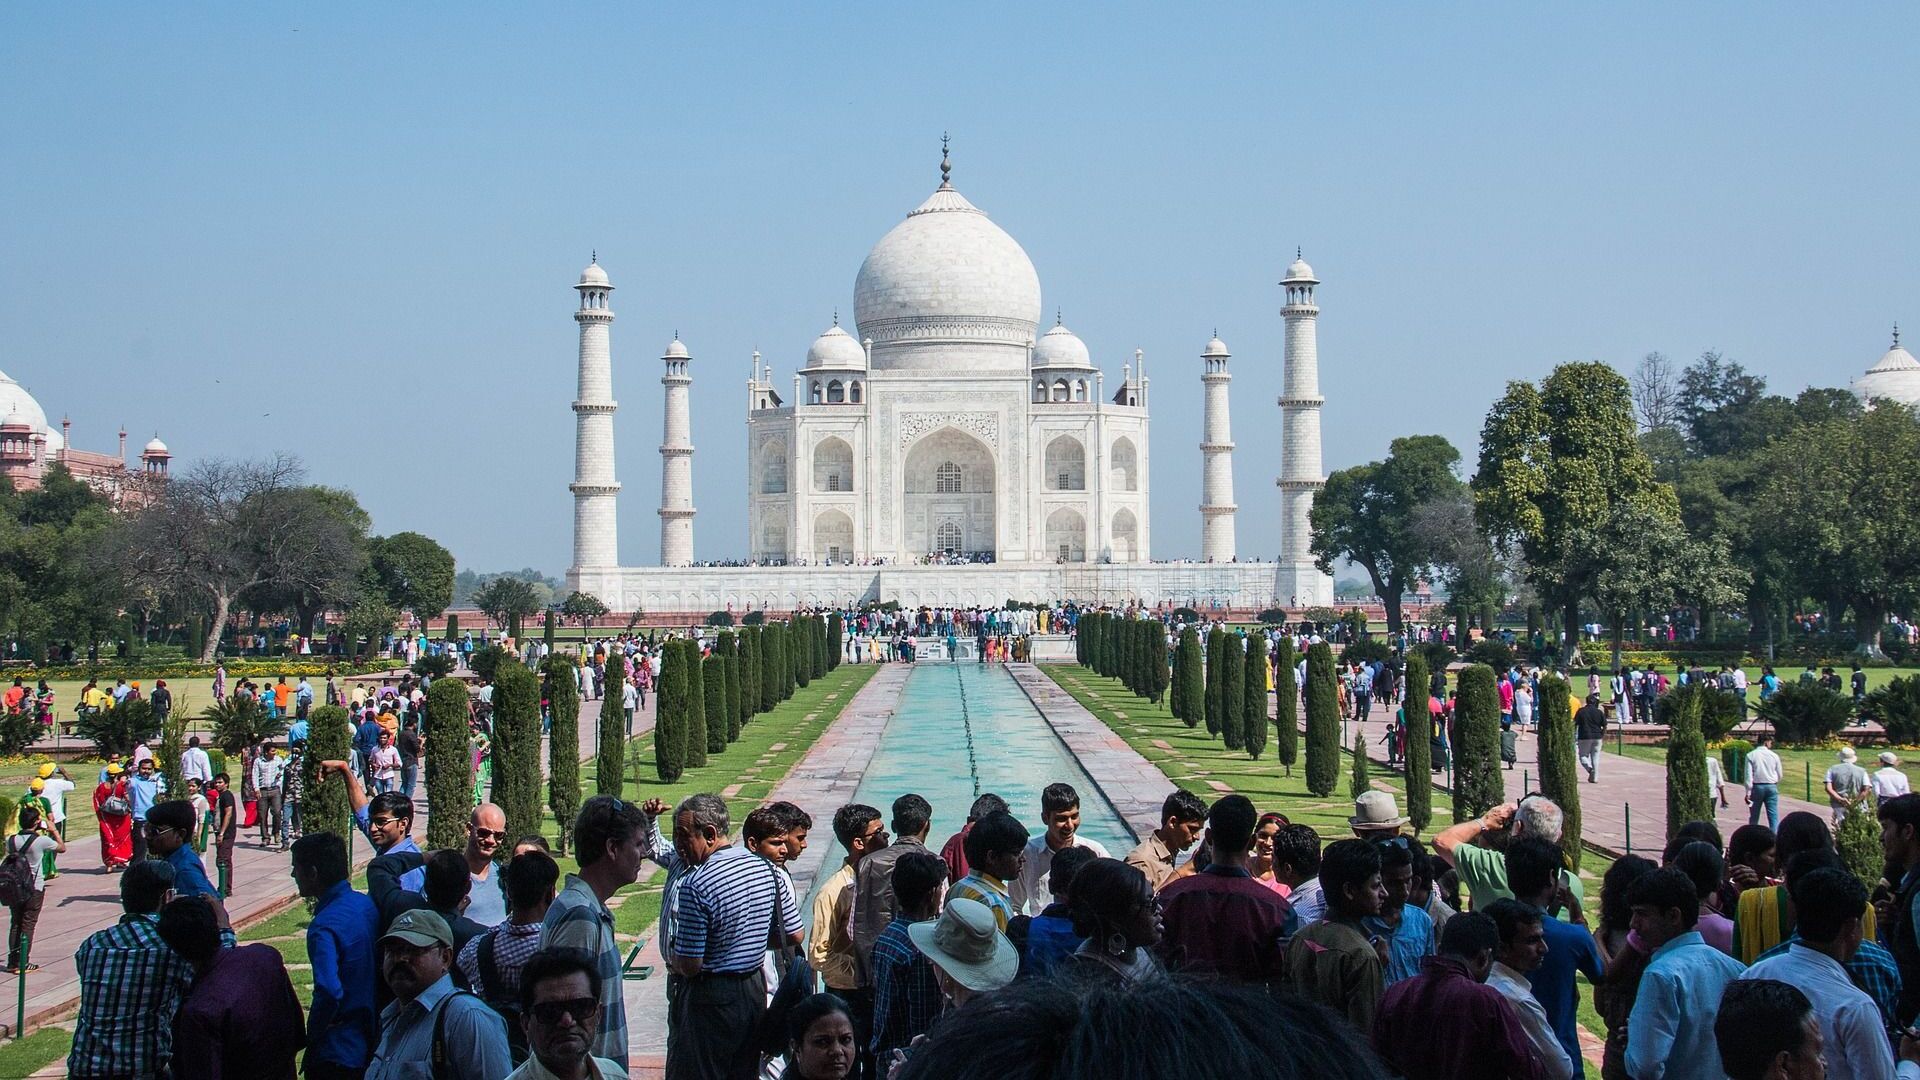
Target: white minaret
[
  {"x": 676, "y": 461},
  {"x": 1299, "y": 581},
  {"x": 595, "y": 535},
  {"x": 1216, "y": 451}
]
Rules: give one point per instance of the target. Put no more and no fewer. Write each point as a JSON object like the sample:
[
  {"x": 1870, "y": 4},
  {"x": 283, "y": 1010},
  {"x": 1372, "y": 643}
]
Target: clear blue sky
[{"x": 350, "y": 231}]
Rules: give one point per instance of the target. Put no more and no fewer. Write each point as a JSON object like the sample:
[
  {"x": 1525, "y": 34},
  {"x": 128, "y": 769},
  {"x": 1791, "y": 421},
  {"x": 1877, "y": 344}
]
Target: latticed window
[
  {"x": 947, "y": 537},
  {"x": 833, "y": 482},
  {"x": 946, "y": 478}
]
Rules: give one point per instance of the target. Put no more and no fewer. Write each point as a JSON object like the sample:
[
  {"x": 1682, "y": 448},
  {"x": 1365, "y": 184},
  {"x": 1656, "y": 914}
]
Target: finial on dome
[
  {"x": 1296, "y": 252},
  {"x": 1896, "y": 335},
  {"x": 1060, "y": 320},
  {"x": 946, "y": 165},
  {"x": 836, "y": 316},
  {"x": 593, "y": 256}
]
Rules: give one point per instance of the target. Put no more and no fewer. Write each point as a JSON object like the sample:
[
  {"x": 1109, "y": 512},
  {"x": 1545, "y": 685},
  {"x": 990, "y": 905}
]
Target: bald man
[{"x": 486, "y": 834}]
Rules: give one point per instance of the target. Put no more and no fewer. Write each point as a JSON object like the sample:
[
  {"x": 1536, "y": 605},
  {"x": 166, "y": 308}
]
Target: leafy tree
[
  {"x": 1559, "y": 770},
  {"x": 1806, "y": 714},
  {"x": 1358, "y": 782},
  {"x": 1896, "y": 708},
  {"x": 1323, "y": 721},
  {"x": 115, "y": 732},
  {"x": 349, "y": 581},
  {"x": 720, "y": 618},
  {"x": 607, "y": 776},
  {"x": 714, "y": 670},
  {"x": 449, "y": 771},
  {"x": 582, "y": 608},
  {"x": 1477, "y": 785},
  {"x": 1189, "y": 681},
  {"x": 1639, "y": 559},
  {"x": 241, "y": 722},
  {"x": 1233, "y": 693},
  {"x": 516, "y": 747},
  {"x": 1716, "y": 397},
  {"x": 1555, "y": 462},
  {"x": 1687, "y": 796},
  {"x": 670, "y": 713},
  {"x": 1419, "y": 756},
  {"x": 412, "y": 571},
  {"x": 1365, "y": 515},
  {"x": 1286, "y": 700},
  {"x": 1216, "y": 685},
  {"x": 561, "y": 672},
  {"x": 836, "y": 640},
  {"x": 324, "y": 806},
  {"x": 1858, "y": 841},
  {"x": 694, "y": 726},
  {"x": 728, "y": 649},
  {"x": 1253, "y": 725},
  {"x": 60, "y": 570}
]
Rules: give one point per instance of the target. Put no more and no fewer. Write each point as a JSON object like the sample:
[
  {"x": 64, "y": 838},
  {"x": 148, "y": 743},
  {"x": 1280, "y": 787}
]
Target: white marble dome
[
  {"x": 16, "y": 402},
  {"x": 594, "y": 276},
  {"x": 155, "y": 446},
  {"x": 676, "y": 350},
  {"x": 1216, "y": 347},
  {"x": 1895, "y": 378},
  {"x": 1061, "y": 347},
  {"x": 1299, "y": 271},
  {"x": 836, "y": 349},
  {"x": 947, "y": 273}
]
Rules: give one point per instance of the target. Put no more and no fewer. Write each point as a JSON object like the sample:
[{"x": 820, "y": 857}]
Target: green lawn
[{"x": 1803, "y": 769}]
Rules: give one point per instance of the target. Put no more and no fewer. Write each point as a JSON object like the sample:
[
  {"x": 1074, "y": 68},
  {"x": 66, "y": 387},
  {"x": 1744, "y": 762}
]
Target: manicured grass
[
  {"x": 1803, "y": 769},
  {"x": 24, "y": 1057}
]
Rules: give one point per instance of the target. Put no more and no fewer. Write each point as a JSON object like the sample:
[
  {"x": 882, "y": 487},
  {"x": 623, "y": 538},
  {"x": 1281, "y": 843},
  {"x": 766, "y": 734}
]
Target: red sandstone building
[{"x": 29, "y": 448}]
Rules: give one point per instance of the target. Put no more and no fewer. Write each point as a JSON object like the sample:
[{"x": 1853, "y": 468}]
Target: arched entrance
[
  {"x": 1126, "y": 536},
  {"x": 948, "y": 496},
  {"x": 833, "y": 537},
  {"x": 1066, "y": 536}
]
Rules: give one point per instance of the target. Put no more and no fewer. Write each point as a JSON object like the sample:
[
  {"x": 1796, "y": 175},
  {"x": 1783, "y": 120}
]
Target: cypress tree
[
  {"x": 546, "y": 633},
  {"x": 1323, "y": 721},
  {"x": 822, "y": 660},
  {"x": 728, "y": 649},
  {"x": 749, "y": 674},
  {"x": 1419, "y": 757},
  {"x": 693, "y": 754},
  {"x": 1477, "y": 785},
  {"x": 324, "y": 806},
  {"x": 1216, "y": 658},
  {"x": 715, "y": 671},
  {"x": 449, "y": 772},
  {"x": 1359, "y": 782},
  {"x": 789, "y": 676},
  {"x": 1687, "y": 795},
  {"x": 453, "y": 634},
  {"x": 1559, "y": 770},
  {"x": 836, "y": 640},
  {"x": 799, "y": 635},
  {"x": 563, "y": 743},
  {"x": 670, "y": 713},
  {"x": 1189, "y": 682},
  {"x": 516, "y": 746},
  {"x": 1160, "y": 669},
  {"x": 608, "y": 778},
  {"x": 767, "y": 664},
  {"x": 1233, "y": 692},
  {"x": 1253, "y": 725},
  {"x": 1091, "y": 623},
  {"x": 1286, "y": 706}
]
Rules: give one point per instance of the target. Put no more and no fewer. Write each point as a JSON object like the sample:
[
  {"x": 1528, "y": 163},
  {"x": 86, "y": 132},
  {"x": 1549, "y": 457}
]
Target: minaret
[
  {"x": 1300, "y": 474},
  {"x": 595, "y": 539},
  {"x": 676, "y": 461},
  {"x": 1216, "y": 451}
]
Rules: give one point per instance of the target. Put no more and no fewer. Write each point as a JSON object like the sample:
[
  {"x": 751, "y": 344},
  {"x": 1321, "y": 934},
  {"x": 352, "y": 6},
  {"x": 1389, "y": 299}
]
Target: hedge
[
  {"x": 693, "y": 755},
  {"x": 1414, "y": 708},
  {"x": 1688, "y": 798},
  {"x": 1559, "y": 769},
  {"x": 836, "y": 635},
  {"x": 728, "y": 648},
  {"x": 448, "y": 767},
  {"x": 1189, "y": 682},
  {"x": 1216, "y": 659},
  {"x": 516, "y": 747},
  {"x": 1253, "y": 700},
  {"x": 1233, "y": 693},
  {"x": 670, "y": 713},
  {"x": 562, "y": 673},
  {"x": 1323, "y": 721},
  {"x": 1358, "y": 782},
  {"x": 749, "y": 674},
  {"x": 1286, "y": 706},
  {"x": 714, "y": 671},
  {"x": 1477, "y": 784},
  {"x": 324, "y": 804},
  {"x": 260, "y": 667},
  {"x": 611, "y": 745}
]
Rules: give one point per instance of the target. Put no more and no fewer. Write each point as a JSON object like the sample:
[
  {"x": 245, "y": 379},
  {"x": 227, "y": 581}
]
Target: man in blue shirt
[
  {"x": 342, "y": 1027},
  {"x": 1407, "y": 927},
  {"x": 169, "y": 828},
  {"x": 144, "y": 788},
  {"x": 387, "y": 821},
  {"x": 1533, "y": 873},
  {"x": 1670, "y": 1031}
]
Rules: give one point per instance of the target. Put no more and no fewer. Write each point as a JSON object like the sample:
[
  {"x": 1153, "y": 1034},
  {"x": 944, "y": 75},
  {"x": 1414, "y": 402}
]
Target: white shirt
[
  {"x": 1029, "y": 892},
  {"x": 267, "y": 771},
  {"x": 1533, "y": 1020},
  {"x": 1763, "y": 766},
  {"x": 194, "y": 764},
  {"x": 54, "y": 789},
  {"x": 1887, "y": 782},
  {"x": 1739, "y": 679},
  {"x": 1716, "y": 775},
  {"x": 1855, "y": 1039}
]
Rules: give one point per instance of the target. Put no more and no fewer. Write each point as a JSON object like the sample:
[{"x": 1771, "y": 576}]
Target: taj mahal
[{"x": 948, "y": 451}]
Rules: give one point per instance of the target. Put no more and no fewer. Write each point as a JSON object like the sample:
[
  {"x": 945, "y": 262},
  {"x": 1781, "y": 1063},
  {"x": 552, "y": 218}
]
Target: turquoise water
[{"x": 964, "y": 729}]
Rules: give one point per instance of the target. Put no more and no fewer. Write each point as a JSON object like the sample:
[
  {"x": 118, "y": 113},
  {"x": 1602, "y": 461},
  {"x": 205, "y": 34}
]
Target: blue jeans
[
  {"x": 1767, "y": 795},
  {"x": 408, "y": 774}
]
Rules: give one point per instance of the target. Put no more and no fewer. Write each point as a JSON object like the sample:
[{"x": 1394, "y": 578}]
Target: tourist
[
  {"x": 130, "y": 985},
  {"x": 202, "y": 815},
  {"x": 1118, "y": 919},
  {"x": 195, "y": 764},
  {"x": 1670, "y": 1030},
  {"x": 1750, "y": 864},
  {"x": 1333, "y": 961},
  {"x": 241, "y": 1016},
  {"x": 1872, "y": 967},
  {"x": 342, "y": 1025},
  {"x": 830, "y": 948},
  {"x": 728, "y": 909},
  {"x": 1623, "y": 959},
  {"x": 1533, "y": 871},
  {"x": 1827, "y": 905},
  {"x": 1261, "y": 865},
  {"x": 612, "y": 839},
  {"x": 1483, "y": 871},
  {"x": 1220, "y": 922},
  {"x": 1406, "y": 926},
  {"x": 1446, "y": 1023},
  {"x": 997, "y": 853},
  {"x": 226, "y": 826},
  {"x": 1888, "y": 780},
  {"x": 969, "y": 954},
  {"x": 427, "y": 1016},
  {"x": 491, "y": 963},
  {"x": 1182, "y": 815},
  {"x": 874, "y": 905},
  {"x": 955, "y": 849},
  {"x": 486, "y": 897},
  {"x": 1589, "y": 731},
  {"x": 384, "y": 764},
  {"x": 906, "y": 992},
  {"x": 821, "y": 1044},
  {"x": 33, "y": 839},
  {"x": 293, "y": 785},
  {"x": 1767, "y": 1030},
  {"x": 1763, "y": 917},
  {"x": 1523, "y": 945},
  {"x": 269, "y": 769},
  {"x": 558, "y": 1004},
  {"x": 1900, "y": 843},
  {"x": 1060, "y": 811},
  {"x": 144, "y": 788},
  {"x": 1763, "y": 781},
  {"x": 170, "y": 836},
  {"x": 1846, "y": 784},
  {"x": 443, "y": 890},
  {"x": 1296, "y": 865},
  {"x": 1376, "y": 816},
  {"x": 1047, "y": 939},
  {"x": 1702, "y": 864},
  {"x": 410, "y": 746}
]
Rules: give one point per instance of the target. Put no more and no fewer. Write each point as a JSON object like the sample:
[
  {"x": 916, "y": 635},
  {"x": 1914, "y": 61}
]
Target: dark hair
[
  {"x": 1704, "y": 831},
  {"x": 527, "y": 879},
  {"x": 761, "y": 823},
  {"x": 995, "y": 832},
  {"x": 1065, "y": 867},
  {"x": 189, "y": 928},
  {"x": 1667, "y": 890},
  {"x": 1057, "y": 797},
  {"x": 1807, "y": 862},
  {"x": 1231, "y": 822},
  {"x": 788, "y": 816},
  {"x": 1346, "y": 863},
  {"x": 325, "y": 854},
  {"x": 1183, "y": 805},
  {"x": 809, "y": 1011},
  {"x": 393, "y": 804},
  {"x": 1824, "y": 901},
  {"x": 911, "y": 814},
  {"x": 143, "y": 884},
  {"x": 1615, "y": 911},
  {"x": 1510, "y": 916},
  {"x": 219, "y": 776},
  {"x": 555, "y": 963},
  {"x": 1469, "y": 934},
  {"x": 1422, "y": 862},
  {"x": 1701, "y": 862},
  {"x": 604, "y": 820},
  {"x": 447, "y": 879},
  {"x": 534, "y": 840},
  {"x": 1750, "y": 840},
  {"x": 1759, "y": 1020},
  {"x": 1394, "y": 853},
  {"x": 916, "y": 876},
  {"x": 1106, "y": 893},
  {"x": 29, "y": 818},
  {"x": 850, "y": 822},
  {"x": 1800, "y": 831},
  {"x": 176, "y": 814},
  {"x": 1042, "y": 1028},
  {"x": 1297, "y": 847},
  {"x": 986, "y": 804},
  {"x": 1901, "y": 810},
  {"x": 1533, "y": 863}
]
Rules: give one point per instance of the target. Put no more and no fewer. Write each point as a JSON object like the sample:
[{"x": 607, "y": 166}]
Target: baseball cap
[{"x": 421, "y": 928}]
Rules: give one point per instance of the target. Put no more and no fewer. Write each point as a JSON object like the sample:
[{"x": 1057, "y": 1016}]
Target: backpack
[
  {"x": 437, "y": 1053},
  {"x": 796, "y": 982},
  {"x": 509, "y": 1011},
  {"x": 16, "y": 874}
]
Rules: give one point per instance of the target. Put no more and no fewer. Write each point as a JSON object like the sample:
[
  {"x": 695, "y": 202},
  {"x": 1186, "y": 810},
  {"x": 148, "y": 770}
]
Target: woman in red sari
[{"x": 116, "y": 832}]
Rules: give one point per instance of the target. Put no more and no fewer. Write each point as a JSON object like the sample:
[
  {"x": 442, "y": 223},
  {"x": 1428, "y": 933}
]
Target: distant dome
[
  {"x": 836, "y": 349},
  {"x": 593, "y": 275},
  {"x": 155, "y": 446},
  {"x": 1895, "y": 378},
  {"x": 15, "y": 401},
  {"x": 1298, "y": 272},
  {"x": 1216, "y": 347},
  {"x": 675, "y": 350},
  {"x": 1061, "y": 347}
]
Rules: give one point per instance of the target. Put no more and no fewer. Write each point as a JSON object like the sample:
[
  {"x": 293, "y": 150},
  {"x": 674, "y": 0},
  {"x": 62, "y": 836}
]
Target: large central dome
[{"x": 947, "y": 275}]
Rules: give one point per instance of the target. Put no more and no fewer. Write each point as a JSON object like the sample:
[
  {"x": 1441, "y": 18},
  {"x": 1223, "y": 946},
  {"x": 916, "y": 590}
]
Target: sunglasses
[
  {"x": 489, "y": 834},
  {"x": 583, "y": 1010},
  {"x": 1401, "y": 842}
]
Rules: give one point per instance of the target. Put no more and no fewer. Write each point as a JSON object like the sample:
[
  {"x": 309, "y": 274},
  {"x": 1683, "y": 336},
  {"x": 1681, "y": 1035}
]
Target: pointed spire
[
  {"x": 946, "y": 165},
  {"x": 1896, "y": 335},
  {"x": 1060, "y": 320},
  {"x": 836, "y": 316},
  {"x": 1296, "y": 252},
  {"x": 594, "y": 258}
]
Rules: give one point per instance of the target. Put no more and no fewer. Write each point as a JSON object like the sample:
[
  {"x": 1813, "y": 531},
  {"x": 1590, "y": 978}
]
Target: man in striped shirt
[
  {"x": 996, "y": 853},
  {"x": 729, "y": 909}
]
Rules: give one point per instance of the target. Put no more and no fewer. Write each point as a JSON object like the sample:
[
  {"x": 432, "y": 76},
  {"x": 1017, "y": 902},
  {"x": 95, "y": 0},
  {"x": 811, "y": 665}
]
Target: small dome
[
  {"x": 1061, "y": 347},
  {"x": 1216, "y": 347},
  {"x": 836, "y": 349},
  {"x": 595, "y": 276},
  {"x": 1299, "y": 273},
  {"x": 1896, "y": 377},
  {"x": 675, "y": 350},
  {"x": 14, "y": 419},
  {"x": 155, "y": 446}
]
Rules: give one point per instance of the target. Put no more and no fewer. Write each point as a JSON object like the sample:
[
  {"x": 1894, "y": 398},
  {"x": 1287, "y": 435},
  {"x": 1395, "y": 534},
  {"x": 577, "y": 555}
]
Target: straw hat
[
  {"x": 1376, "y": 811},
  {"x": 966, "y": 943}
]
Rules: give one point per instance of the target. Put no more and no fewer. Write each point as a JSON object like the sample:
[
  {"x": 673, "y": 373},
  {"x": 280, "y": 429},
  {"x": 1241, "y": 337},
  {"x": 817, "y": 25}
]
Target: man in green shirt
[
  {"x": 1335, "y": 961},
  {"x": 1483, "y": 867}
]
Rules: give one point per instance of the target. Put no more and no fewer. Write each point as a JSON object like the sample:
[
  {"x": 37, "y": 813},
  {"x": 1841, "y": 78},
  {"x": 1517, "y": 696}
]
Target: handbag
[
  {"x": 796, "y": 982},
  {"x": 115, "y": 806}
]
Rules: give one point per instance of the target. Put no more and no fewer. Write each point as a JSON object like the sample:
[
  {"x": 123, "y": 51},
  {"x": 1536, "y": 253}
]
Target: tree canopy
[{"x": 1367, "y": 514}]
